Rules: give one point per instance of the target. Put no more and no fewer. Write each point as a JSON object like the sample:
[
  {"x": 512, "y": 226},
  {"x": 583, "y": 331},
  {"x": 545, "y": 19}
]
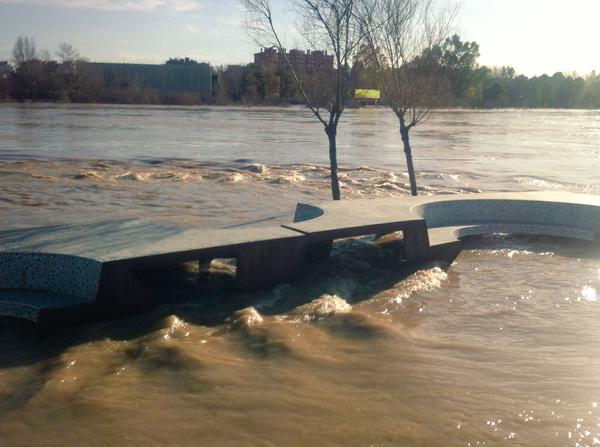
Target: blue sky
[{"x": 534, "y": 36}]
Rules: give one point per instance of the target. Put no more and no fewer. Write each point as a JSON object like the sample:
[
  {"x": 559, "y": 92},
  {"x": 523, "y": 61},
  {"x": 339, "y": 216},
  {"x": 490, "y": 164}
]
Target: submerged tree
[
  {"x": 401, "y": 35},
  {"x": 328, "y": 25}
]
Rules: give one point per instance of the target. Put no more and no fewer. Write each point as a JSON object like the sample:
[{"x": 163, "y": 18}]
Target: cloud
[{"x": 116, "y": 5}]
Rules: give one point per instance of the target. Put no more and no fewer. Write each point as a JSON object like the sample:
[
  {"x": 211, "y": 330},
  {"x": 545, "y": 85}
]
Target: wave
[
  {"x": 145, "y": 188},
  {"x": 293, "y": 178},
  {"x": 135, "y": 176},
  {"x": 173, "y": 176},
  {"x": 256, "y": 168},
  {"x": 245, "y": 319},
  {"x": 33, "y": 202},
  {"x": 321, "y": 308},
  {"x": 419, "y": 282},
  {"x": 233, "y": 178},
  {"x": 88, "y": 175},
  {"x": 511, "y": 252},
  {"x": 174, "y": 327},
  {"x": 549, "y": 184},
  {"x": 42, "y": 176}
]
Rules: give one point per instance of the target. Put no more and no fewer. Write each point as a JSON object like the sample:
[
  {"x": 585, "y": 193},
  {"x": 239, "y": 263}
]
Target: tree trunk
[
  {"x": 335, "y": 182},
  {"x": 409, "y": 160}
]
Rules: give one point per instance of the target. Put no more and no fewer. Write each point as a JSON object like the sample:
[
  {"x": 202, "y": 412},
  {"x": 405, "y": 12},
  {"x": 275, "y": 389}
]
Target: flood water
[{"x": 501, "y": 348}]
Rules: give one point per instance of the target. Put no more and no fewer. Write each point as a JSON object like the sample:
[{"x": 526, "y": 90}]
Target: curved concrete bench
[
  {"x": 450, "y": 218},
  {"x": 32, "y": 283},
  {"x": 67, "y": 268},
  {"x": 560, "y": 214},
  {"x": 543, "y": 209}
]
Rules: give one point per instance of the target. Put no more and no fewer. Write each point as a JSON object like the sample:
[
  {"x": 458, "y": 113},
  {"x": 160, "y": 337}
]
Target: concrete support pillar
[
  {"x": 121, "y": 291},
  {"x": 447, "y": 252},
  {"x": 269, "y": 263},
  {"x": 416, "y": 242}
]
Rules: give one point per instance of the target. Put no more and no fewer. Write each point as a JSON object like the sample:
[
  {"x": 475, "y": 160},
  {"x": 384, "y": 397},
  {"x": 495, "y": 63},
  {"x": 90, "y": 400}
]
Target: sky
[{"x": 533, "y": 36}]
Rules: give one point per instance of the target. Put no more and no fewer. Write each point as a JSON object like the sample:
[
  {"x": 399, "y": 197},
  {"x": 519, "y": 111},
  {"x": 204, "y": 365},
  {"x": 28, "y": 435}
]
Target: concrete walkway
[{"x": 51, "y": 273}]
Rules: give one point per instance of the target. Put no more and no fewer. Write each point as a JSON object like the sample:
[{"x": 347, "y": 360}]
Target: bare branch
[
  {"x": 401, "y": 35},
  {"x": 66, "y": 53},
  {"x": 24, "y": 50},
  {"x": 327, "y": 25}
]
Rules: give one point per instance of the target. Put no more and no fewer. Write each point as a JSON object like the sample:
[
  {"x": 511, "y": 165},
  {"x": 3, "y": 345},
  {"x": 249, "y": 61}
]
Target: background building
[
  {"x": 171, "y": 77},
  {"x": 298, "y": 58}
]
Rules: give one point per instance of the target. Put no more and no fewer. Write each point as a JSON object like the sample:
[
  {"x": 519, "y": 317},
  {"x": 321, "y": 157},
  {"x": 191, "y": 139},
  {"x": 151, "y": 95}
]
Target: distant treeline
[
  {"x": 72, "y": 79},
  {"x": 468, "y": 83},
  {"x": 81, "y": 82}
]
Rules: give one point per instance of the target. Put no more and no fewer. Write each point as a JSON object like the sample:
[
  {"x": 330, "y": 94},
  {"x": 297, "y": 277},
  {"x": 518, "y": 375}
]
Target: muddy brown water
[{"x": 501, "y": 348}]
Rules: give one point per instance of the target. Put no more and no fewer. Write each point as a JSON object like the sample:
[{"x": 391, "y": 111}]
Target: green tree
[
  {"x": 494, "y": 95},
  {"x": 458, "y": 61}
]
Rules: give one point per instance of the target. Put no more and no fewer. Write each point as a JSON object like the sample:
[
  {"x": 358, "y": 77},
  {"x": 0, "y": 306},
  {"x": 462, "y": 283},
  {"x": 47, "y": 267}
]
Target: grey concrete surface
[
  {"x": 44, "y": 271},
  {"x": 96, "y": 263}
]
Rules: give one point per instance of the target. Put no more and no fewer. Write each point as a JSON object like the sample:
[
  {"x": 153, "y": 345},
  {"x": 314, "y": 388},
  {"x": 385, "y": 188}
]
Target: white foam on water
[
  {"x": 321, "y": 308},
  {"x": 421, "y": 281},
  {"x": 87, "y": 175},
  {"x": 173, "y": 326},
  {"x": 246, "y": 318},
  {"x": 233, "y": 178},
  {"x": 291, "y": 178},
  {"x": 257, "y": 168},
  {"x": 130, "y": 175},
  {"x": 401, "y": 296}
]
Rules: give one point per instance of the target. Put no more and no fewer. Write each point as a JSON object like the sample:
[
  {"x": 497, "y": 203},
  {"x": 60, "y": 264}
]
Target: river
[{"x": 501, "y": 348}]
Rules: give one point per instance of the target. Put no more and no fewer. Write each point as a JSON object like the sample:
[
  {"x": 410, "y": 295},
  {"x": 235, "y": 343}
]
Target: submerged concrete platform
[
  {"x": 46, "y": 269},
  {"x": 64, "y": 270}
]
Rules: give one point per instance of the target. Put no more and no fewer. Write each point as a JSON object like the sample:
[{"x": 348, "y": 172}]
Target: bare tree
[
  {"x": 44, "y": 55},
  {"x": 66, "y": 53},
  {"x": 328, "y": 25},
  {"x": 24, "y": 50},
  {"x": 401, "y": 35}
]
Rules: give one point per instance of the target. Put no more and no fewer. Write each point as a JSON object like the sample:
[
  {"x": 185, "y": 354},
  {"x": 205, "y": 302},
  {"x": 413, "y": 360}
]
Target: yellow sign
[{"x": 367, "y": 94}]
